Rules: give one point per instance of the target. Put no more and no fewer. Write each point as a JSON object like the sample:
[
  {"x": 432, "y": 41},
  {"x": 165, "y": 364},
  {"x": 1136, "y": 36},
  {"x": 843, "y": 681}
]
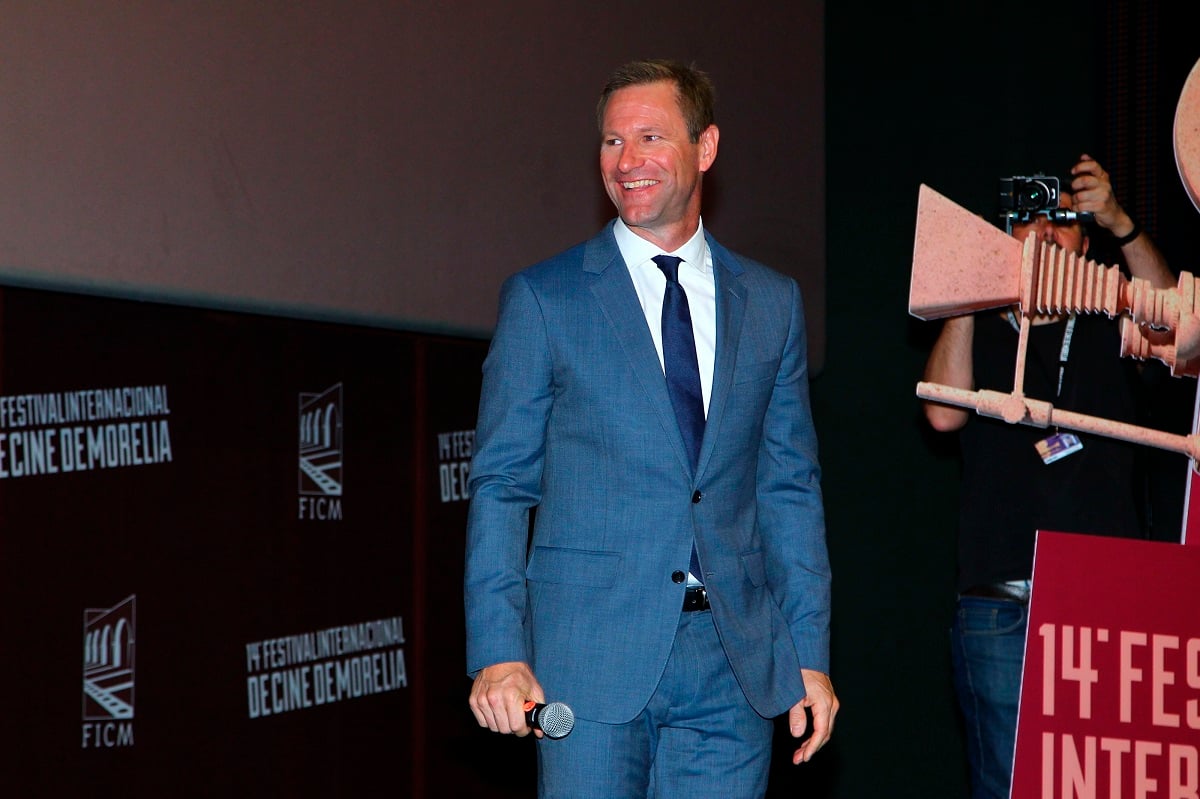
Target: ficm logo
[
  {"x": 320, "y": 468},
  {"x": 109, "y": 639}
]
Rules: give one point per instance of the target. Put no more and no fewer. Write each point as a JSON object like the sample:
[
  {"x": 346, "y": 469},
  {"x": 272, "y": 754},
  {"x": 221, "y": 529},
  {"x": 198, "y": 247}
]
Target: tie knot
[{"x": 669, "y": 264}]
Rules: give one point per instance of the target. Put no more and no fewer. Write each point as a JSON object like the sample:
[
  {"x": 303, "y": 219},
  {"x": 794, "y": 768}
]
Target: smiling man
[
  {"x": 646, "y": 392},
  {"x": 652, "y": 160}
]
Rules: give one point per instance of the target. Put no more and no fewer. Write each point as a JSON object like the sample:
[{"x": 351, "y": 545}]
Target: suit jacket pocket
[
  {"x": 573, "y": 567},
  {"x": 753, "y": 372},
  {"x": 756, "y": 567}
]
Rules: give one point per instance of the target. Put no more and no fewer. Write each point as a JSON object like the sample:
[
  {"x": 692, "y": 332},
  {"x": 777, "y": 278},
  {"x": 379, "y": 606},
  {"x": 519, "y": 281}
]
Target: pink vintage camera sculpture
[{"x": 963, "y": 264}]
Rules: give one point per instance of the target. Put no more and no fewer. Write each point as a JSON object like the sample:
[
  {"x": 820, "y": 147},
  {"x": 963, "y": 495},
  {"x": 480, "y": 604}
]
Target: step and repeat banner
[{"x": 231, "y": 555}]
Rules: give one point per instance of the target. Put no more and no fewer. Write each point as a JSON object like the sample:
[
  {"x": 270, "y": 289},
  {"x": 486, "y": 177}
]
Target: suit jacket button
[
  {"x": 678, "y": 577},
  {"x": 696, "y": 497}
]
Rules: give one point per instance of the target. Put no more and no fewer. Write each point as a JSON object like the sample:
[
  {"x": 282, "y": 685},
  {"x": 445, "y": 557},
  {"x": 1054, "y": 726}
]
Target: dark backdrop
[{"x": 954, "y": 95}]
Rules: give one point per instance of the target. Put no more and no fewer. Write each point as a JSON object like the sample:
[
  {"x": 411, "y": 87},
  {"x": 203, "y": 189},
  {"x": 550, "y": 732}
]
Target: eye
[{"x": 613, "y": 142}]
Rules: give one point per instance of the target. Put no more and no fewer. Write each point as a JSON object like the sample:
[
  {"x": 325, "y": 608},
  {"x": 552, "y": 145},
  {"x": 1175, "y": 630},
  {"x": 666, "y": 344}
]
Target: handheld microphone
[{"x": 556, "y": 720}]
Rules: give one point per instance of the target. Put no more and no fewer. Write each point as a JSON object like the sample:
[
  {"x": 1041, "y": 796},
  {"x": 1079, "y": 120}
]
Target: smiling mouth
[{"x": 638, "y": 184}]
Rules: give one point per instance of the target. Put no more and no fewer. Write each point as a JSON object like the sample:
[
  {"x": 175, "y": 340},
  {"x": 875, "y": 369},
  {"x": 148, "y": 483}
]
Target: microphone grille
[{"x": 556, "y": 720}]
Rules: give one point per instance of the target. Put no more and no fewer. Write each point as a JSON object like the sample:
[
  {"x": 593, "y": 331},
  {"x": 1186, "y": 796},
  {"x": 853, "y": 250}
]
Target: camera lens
[{"x": 1032, "y": 195}]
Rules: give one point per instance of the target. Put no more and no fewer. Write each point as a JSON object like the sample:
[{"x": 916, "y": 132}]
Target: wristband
[{"x": 1130, "y": 236}]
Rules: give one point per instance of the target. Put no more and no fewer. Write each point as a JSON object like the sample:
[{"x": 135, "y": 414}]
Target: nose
[
  {"x": 1045, "y": 229},
  {"x": 629, "y": 158}
]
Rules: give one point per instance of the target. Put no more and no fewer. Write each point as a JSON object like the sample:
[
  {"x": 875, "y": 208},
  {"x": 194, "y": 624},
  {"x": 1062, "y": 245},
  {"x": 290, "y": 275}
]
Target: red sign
[{"x": 1110, "y": 700}]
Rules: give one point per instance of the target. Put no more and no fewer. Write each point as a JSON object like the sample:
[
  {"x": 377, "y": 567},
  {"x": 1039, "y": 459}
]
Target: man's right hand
[{"x": 498, "y": 698}]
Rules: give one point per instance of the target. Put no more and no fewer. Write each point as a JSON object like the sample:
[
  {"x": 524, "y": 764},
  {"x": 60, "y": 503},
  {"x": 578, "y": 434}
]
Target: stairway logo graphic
[
  {"x": 320, "y": 471},
  {"x": 109, "y": 639}
]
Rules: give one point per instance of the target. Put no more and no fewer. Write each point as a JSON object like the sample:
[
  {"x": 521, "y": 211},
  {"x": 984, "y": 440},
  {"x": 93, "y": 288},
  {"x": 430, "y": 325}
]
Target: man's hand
[
  {"x": 824, "y": 705},
  {"x": 1092, "y": 191},
  {"x": 498, "y": 698}
]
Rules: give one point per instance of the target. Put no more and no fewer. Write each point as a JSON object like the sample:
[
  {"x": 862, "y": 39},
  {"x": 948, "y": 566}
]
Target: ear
[
  {"x": 1083, "y": 245},
  {"x": 708, "y": 147}
]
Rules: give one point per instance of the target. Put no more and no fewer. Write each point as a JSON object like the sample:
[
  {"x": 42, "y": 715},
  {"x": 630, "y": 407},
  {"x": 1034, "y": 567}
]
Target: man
[
  {"x": 675, "y": 592},
  {"x": 1008, "y": 491}
]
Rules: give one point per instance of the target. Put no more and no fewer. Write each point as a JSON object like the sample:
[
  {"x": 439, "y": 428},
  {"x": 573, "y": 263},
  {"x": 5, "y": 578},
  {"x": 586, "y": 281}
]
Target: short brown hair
[{"x": 693, "y": 89}]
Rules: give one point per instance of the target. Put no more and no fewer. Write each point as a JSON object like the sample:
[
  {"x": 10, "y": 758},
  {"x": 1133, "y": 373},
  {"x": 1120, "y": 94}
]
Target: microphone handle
[{"x": 555, "y": 719}]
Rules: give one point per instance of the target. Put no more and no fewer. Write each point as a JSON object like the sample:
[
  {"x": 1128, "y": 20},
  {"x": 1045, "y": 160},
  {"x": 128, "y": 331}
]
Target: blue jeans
[{"x": 987, "y": 648}]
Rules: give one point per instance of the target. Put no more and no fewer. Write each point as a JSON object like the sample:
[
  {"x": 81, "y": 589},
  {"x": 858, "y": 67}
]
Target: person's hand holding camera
[{"x": 1093, "y": 192}]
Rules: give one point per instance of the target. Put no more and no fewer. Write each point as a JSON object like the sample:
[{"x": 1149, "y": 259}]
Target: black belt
[
  {"x": 1005, "y": 591},
  {"x": 695, "y": 598}
]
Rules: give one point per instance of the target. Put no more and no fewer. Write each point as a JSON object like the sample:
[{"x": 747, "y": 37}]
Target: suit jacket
[{"x": 575, "y": 421}]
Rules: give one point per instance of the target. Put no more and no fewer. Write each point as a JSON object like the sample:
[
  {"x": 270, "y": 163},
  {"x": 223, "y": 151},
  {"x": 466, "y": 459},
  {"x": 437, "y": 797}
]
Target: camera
[
  {"x": 1028, "y": 194},
  {"x": 1023, "y": 197}
]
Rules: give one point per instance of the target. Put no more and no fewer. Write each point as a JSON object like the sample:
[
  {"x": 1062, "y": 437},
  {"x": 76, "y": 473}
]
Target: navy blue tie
[{"x": 682, "y": 368}]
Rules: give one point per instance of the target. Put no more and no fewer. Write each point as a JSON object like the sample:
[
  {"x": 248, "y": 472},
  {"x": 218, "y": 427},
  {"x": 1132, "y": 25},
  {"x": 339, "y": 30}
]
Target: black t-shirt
[{"x": 1008, "y": 493}]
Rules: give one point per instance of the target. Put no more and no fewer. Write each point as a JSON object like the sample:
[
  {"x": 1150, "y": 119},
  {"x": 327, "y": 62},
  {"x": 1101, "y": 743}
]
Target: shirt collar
[{"x": 636, "y": 250}]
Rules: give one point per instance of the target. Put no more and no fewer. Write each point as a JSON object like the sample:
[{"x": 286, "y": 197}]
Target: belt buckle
[
  {"x": 695, "y": 598},
  {"x": 1018, "y": 590}
]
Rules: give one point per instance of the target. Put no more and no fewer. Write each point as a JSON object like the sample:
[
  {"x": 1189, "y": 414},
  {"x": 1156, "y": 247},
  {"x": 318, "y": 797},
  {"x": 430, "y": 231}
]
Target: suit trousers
[{"x": 696, "y": 737}]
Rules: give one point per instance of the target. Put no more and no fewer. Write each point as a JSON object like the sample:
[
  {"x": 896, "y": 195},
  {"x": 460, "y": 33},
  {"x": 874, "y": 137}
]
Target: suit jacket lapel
[
  {"x": 731, "y": 311},
  {"x": 613, "y": 289}
]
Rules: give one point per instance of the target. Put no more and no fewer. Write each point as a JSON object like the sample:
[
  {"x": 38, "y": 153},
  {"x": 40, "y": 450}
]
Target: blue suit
[{"x": 575, "y": 420}]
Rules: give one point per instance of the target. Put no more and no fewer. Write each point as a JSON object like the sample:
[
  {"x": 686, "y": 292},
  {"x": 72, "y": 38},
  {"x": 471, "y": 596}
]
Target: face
[
  {"x": 650, "y": 167},
  {"x": 1067, "y": 235}
]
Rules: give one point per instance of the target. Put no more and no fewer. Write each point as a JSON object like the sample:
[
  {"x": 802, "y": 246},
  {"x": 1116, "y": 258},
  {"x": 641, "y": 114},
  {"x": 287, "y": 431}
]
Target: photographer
[{"x": 1008, "y": 490}]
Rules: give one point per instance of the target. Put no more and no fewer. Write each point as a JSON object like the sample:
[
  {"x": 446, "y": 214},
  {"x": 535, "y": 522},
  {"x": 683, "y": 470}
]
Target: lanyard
[{"x": 1063, "y": 353}]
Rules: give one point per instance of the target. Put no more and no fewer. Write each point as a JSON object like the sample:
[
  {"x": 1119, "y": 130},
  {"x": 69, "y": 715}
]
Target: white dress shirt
[{"x": 696, "y": 278}]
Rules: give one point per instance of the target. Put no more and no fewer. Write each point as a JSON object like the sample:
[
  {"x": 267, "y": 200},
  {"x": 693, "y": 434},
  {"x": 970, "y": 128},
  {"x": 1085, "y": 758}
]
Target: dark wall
[
  {"x": 954, "y": 95},
  {"x": 378, "y": 161}
]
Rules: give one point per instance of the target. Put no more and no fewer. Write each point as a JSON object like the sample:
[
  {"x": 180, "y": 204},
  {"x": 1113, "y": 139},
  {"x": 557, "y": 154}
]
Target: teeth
[{"x": 638, "y": 184}]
